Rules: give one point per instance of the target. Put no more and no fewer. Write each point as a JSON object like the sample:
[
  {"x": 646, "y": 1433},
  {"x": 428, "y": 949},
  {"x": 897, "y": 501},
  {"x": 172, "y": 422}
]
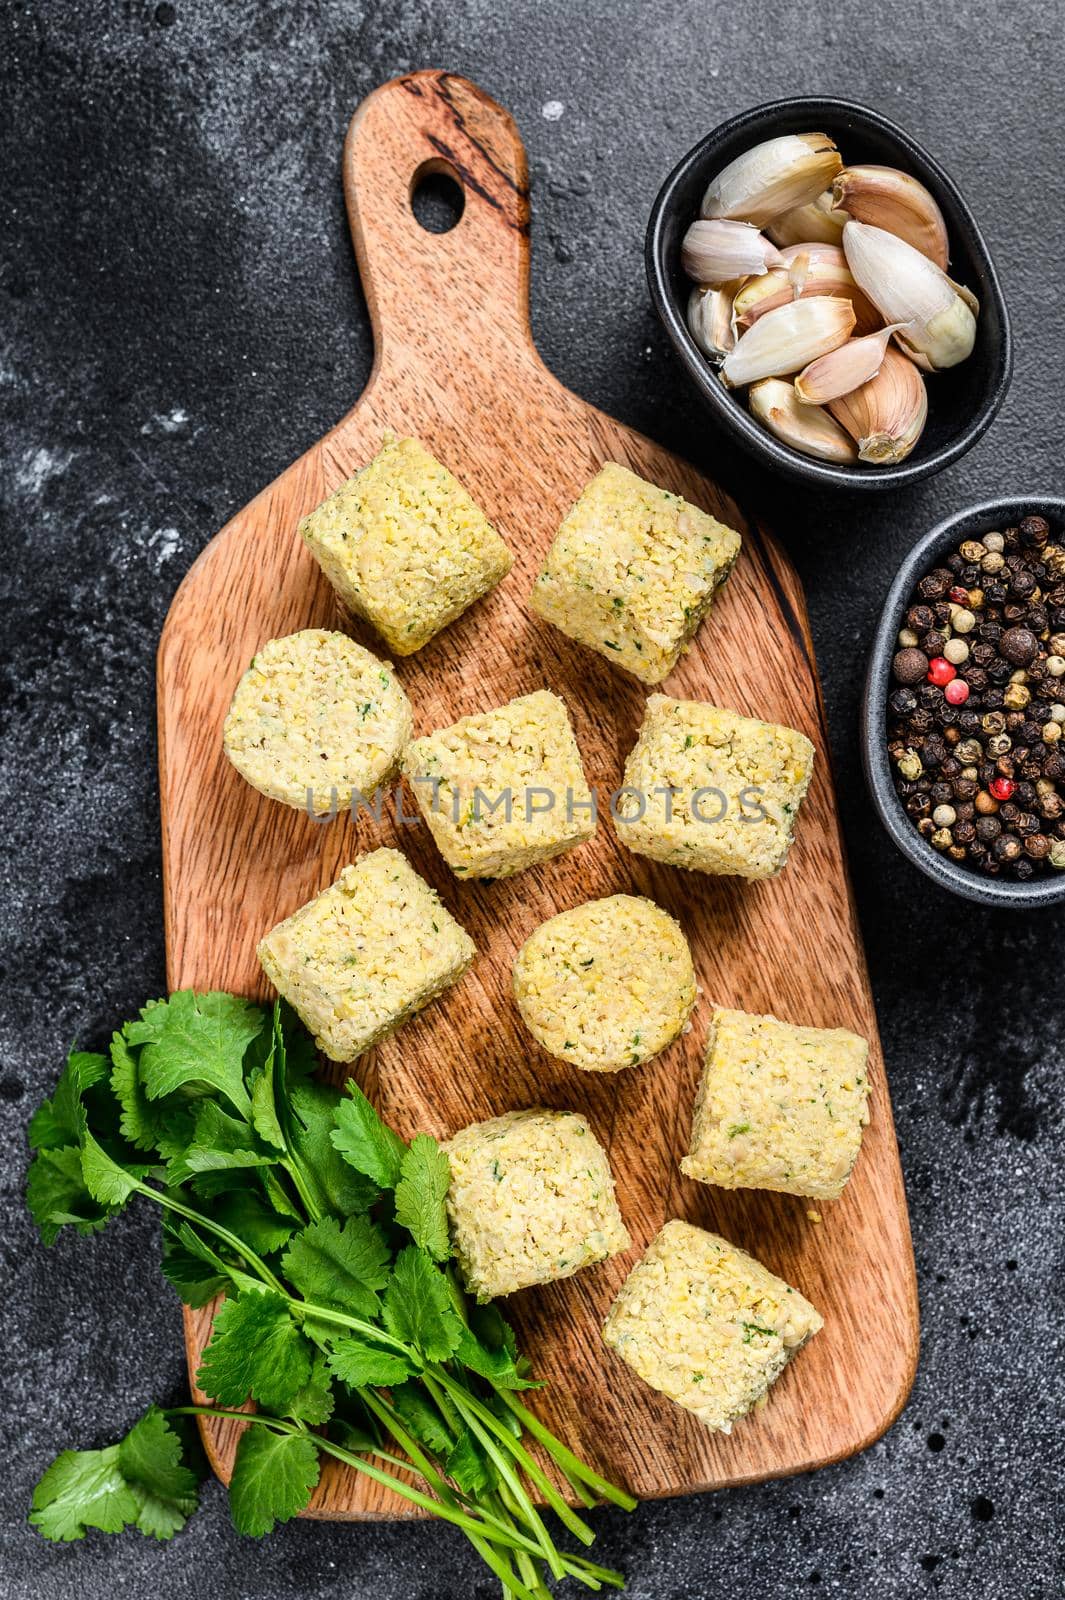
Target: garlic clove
[
  {"x": 895, "y": 201},
  {"x": 808, "y": 270},
  {"x": 886, "y": 416},
  {"x": 807, "y": 428},
  {"x": 772, "y": 178},
  {"x": 818, "y": 222},
  {"x": 905, "y": 286},
  {"x": 845, "y": 368},
  {"x": 714, "y": 252},
  {"x": 710, "y": 319},
  {"x": 788, "y": 338}
]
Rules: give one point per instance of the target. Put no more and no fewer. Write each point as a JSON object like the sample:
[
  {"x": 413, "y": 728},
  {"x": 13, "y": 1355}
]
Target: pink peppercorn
[
  {"x": 940, "y": 671},
  {"x": 956, "y": 692},
  {"x": 1002, "y": 788}
]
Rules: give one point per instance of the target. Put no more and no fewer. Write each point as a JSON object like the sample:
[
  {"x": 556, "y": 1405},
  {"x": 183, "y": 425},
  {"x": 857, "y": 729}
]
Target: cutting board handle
[{"x": 439, "y": 296}]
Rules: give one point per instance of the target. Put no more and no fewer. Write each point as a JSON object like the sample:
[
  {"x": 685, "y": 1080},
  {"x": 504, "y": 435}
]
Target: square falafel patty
[
  {"x": 706, "y": 1324},
  {"x": 368, "y": 953},
  {"x": 779, "y": 1107},
  {"x": 405, "y": 546},
  {"x": 503, "y": 789},
  {"x": 712, "y": 791},
  {"x": 632, "y": 572},
  {"x": 531, "y": 1200}
]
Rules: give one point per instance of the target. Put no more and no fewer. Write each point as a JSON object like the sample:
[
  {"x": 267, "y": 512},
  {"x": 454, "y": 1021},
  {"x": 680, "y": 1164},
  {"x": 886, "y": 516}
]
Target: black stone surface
[{"x": 180, "y": 319}]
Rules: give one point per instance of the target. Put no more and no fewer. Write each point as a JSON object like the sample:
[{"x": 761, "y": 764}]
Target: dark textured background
[{"x": 181, "y": 319}]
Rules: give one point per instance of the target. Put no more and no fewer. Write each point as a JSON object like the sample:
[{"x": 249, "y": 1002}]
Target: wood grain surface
[{"x": 456, "y": 366}]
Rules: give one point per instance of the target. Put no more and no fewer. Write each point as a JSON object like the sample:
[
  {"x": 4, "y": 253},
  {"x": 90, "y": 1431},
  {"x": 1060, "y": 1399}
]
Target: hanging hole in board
[{"x": 437, "y": 197}]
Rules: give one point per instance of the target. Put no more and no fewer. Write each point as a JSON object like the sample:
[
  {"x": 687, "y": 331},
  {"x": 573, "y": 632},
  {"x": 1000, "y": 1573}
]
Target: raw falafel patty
[{"x": 606, "y": 985}]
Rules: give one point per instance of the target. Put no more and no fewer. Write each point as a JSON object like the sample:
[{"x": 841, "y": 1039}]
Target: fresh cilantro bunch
[{"x": 324, "y": 1237}]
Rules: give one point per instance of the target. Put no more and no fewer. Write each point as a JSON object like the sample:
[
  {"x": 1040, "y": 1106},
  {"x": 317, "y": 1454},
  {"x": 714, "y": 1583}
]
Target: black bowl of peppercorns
[{"x": 963, "y": 719}]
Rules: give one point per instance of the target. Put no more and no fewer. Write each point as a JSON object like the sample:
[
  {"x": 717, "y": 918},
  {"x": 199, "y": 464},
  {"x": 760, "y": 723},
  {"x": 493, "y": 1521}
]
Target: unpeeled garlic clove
[
  {"x": 714, "y": 252},
  {"x": 807, "y": 428},
  {"x": 905, "y": 286},
  {"x": 892, "y": 200},
  {"x": 886, "y": 416},
  {"x": 808, "y": 270},
  {"x": 772, "y": 178},
  {"x": 844, "y": 369},
  {"x": 710, "y": 320},
  {"x": 788, "y": 338},
  {"x": 817, "y": 222}
]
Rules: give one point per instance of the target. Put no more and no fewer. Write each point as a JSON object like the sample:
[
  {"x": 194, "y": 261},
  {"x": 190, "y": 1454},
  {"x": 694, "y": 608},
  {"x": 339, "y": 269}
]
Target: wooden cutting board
[{"x": 456, "y": 366}]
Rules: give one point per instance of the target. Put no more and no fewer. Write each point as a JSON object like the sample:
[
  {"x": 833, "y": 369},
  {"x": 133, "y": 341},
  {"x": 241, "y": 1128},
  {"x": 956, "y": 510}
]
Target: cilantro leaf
[
  {"x": 424, "y": 1179},
  {"x": 360, "y": 1363},
  {"x": 417, "y": 1307},
  {"x": 340, "y": 1266},
  {"x": 56, "y": 1194},
  {"x": 245, "y": 1213},
  {"x": 336, "y": 1186},
  {"x": 314, "y": 1402},
  {"x": 220, "y": 1143},
  {"x": 140, "y": 1482},
  {"x": 421, "y": 1417},
  {"x": 255, "y": 1349},
  {"x": 273, "y": 1477},
  {"x": 199, "y": 1040},
  {"x": 498, "y": 1365},
  {"x": 110, "y": 1183},
  {"x": 143, "y": 1122},
  {"x": 467, "y": 1467},
  {"x": 263, "y": 1110},
  {"x": 150, "y": 1460},
  {"x": 57, "y": 1122},
  {"x": 196, "y": 1282},
  {"x": 82, "y": 1489},
  {"x": 365, "y": 1142}
]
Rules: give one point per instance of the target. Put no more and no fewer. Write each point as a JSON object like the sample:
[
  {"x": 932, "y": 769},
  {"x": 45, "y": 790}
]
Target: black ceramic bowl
[
  {"x": 969, "y": 524},
  {"x": 962, "y": 401}
]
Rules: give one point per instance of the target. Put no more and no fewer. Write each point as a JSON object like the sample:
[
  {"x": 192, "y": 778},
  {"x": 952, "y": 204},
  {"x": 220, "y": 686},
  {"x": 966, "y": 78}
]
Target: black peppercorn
[
  {"x": 988, "y": 829},
  {"x": 1037, "y": 845},
  {"x": 935, "y": 586},
  {"x": 964, "y": 788},
  {"x": 1006, "y": 847},
  {"x": 965, "y": 832},
  {"x": 995, "y": 593},
  {"x": 902, "y": 702},
  {"x": 920, "y": 618},
  {"x": 1019, "y": 645},
  {"x": 975, "y": 677},
  {"x": 933, "y": 642},
  {"x": 1000, "y": 672},
  {"x": 1024, "y": 871},
  {"x": 1034, "y": 531},
  {"x": 933, "y": 751}
]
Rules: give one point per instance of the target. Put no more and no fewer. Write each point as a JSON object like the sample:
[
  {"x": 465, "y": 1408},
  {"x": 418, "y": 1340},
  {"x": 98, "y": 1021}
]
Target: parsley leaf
[
  {"x": 199, "y": 1040},
  {"x": 339, "y": 1265},
  {"x": 255, "y": 1349},
  {"x": 365, "y": 1142},
  {"x": 273, "y": 1476},
  {"x": 360, "y": 1363},
  {"x": 418, "y": 1306},
  {"x": 424, "y": 1179}
]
